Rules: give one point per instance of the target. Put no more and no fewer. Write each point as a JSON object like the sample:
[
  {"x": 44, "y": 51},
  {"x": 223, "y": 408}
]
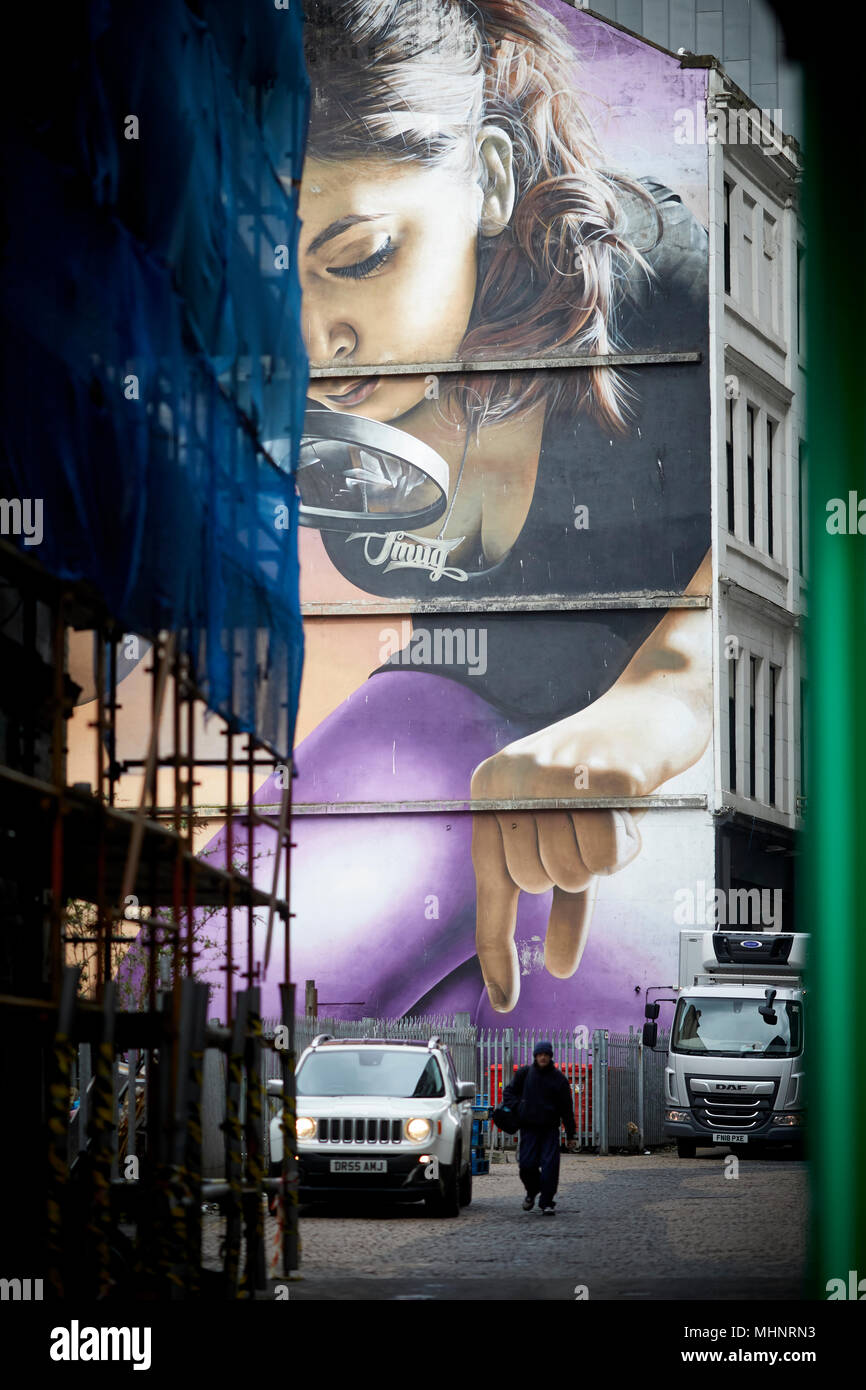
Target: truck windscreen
[{"x": 734, "y": 1028}]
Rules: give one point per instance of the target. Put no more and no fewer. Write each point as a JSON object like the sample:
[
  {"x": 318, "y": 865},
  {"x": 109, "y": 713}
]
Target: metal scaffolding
[{"x": 121, "y": 1207}]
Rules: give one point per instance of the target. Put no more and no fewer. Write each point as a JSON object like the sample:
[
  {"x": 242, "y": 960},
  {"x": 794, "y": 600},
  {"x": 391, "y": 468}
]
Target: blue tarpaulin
[{"x": 152, "y": 329}]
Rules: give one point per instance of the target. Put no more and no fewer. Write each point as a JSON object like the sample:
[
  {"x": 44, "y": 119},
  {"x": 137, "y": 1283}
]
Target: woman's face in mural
[{"x": 388, "y": 266}]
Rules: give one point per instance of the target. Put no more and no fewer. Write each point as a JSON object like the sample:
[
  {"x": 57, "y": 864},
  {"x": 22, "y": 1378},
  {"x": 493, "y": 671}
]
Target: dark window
[
  {"x": 804, "y": 708},
  {"x": 771, "y": 429},
  {"x": 753, "y": 712},
  {"x": 727, "y": 242},
  {"x": 734, "y": 1028},
  {"x": 801, "y": 502},
  {"x": 729, "y": 450},
  {"x": 800, "y": 305},
  {"x": 774, "y": 682},
  {"x": 370, "y": 1071},
  {"x": 732, "y": 725},
  {"x": 452, "y": 1070},
  {"x": 750, "y": 470}
]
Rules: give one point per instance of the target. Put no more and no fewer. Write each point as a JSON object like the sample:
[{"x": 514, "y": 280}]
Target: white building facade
[{"x": 758, "y": 469}]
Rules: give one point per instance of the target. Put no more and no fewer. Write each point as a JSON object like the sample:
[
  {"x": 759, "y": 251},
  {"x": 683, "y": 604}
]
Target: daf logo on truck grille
[{"x": 730, "y": 1086}]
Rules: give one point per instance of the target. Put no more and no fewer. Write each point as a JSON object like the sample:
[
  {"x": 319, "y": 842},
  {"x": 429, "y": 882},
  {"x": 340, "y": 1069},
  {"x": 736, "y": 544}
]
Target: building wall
[
  {"x": 588, "y": 538},
  {"x": 745, "y": 35},
  {"x": 758, "y": 379},
  {"x": 454, "y": 788}
]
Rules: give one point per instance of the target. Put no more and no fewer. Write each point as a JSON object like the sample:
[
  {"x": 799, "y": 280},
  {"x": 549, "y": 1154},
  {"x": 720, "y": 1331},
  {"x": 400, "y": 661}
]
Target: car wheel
[
  {"x": 446, "y": 1202},
  {"x": 686, "y": 1148},
  {"x": 466, "y": 1186}
]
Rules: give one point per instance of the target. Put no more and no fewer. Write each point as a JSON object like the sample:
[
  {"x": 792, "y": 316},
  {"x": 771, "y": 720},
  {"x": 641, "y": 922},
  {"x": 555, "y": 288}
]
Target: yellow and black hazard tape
[{"x": 58, "y": 1168}]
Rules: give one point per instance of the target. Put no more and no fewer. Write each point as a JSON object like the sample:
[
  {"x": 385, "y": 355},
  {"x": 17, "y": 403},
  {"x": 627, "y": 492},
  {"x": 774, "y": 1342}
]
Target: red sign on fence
[{"x": 579, "y": 1075}]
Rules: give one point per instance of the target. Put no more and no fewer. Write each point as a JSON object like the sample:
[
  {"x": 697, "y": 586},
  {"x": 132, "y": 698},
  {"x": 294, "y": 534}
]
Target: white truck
[{"x": 735, "y": 1065}]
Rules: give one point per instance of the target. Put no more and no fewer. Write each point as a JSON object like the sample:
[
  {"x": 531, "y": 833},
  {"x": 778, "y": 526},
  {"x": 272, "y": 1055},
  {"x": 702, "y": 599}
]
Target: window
[
  {"x": 801, "y": 305},
  {"x": 753, "y": 720},
  {"x": 734, "y": 1028},
  {"x": 370, "y": 1072},
  {"x": 747, "y": 288},
  {"x": 804, "y": 710},
  {"x": 732, "y": 725},
  {"x": 801, "y": 503},
  {"x": 769, "y": 263},
  {"x": 729, "y": 451},
  {"x": 727, "y": 241},
  {"x": 774, "y": 688},
  {"x": 757, "y": 469},
  {"x": 452, "y": 1071},
  {"x": 750, "y": 470},
  {"x": 771, "y": 429}
]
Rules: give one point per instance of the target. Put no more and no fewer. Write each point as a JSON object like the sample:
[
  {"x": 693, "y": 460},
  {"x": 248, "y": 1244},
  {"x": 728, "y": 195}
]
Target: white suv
[{"x": 383, "y": 1117}]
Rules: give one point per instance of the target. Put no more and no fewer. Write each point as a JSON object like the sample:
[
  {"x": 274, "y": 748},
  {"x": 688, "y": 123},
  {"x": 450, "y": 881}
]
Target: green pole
[{"x": 835, "y": 839}]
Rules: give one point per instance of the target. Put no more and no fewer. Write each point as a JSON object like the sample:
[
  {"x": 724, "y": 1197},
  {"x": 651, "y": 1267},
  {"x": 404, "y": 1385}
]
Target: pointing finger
[
  {"x": 496, "y": 914},
  {"x": 568, "y": 929}
]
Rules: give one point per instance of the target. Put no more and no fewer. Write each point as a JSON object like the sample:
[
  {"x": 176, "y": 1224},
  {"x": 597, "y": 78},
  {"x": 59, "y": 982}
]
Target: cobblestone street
[{"x": 639, "y": 1227}]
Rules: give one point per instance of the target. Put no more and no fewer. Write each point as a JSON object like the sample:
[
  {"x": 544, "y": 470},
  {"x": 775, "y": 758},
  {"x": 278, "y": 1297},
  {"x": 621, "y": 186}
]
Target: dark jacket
[{"x": 542, "y": 1097}]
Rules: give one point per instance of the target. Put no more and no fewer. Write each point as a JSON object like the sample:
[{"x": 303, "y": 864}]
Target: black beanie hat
[{"x": 543, "y": 1046}]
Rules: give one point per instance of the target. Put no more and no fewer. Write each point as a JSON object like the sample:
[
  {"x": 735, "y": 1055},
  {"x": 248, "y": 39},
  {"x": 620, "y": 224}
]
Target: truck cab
[{"x": 736, "y": 1056}]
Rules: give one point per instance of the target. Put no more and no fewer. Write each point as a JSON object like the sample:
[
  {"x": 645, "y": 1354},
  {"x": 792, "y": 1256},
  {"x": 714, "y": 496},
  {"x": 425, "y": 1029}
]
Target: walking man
[{"x": 542, "y": 1097}]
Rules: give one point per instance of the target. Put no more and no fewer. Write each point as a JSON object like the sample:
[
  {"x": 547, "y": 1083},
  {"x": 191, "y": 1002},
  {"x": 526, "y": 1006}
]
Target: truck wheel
[
  {"x": 446, "y": 1202},
  {"x": 686, "y": 1148},
  {"x": 466, "y": 1186}
]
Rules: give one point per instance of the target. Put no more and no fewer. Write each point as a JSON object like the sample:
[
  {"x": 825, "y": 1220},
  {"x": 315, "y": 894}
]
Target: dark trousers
[{"x": 539, "y": 1150}]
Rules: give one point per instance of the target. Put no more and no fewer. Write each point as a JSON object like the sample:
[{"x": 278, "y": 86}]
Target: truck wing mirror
[
  {"x": 650, "y": 1033},
  {"x": 652, "y": 1010},
  {"x": 766, "y": 1010}
]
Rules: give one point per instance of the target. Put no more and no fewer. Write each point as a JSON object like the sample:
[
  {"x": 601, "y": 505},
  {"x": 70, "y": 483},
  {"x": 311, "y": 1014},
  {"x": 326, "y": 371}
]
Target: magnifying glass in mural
[{"x": 355, "y": 474}]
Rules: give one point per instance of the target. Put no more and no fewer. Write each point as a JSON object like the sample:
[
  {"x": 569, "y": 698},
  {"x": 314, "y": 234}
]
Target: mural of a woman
[{"x": 455, "y": 206}]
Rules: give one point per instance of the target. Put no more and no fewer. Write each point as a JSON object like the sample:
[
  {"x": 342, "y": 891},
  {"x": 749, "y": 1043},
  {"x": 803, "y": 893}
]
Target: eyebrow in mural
[{"x": 337, "y": 228}]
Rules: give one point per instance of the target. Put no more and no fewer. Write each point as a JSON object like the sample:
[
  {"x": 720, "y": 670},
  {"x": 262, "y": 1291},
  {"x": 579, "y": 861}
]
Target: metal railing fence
[{"x": 617, "y": 1083}]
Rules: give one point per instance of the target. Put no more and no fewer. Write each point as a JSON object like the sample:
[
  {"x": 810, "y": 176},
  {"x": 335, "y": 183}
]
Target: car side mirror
[
  {"x": 465, "y": 1090},
  {"x": 275, "y": 1086},
  {"x": 650, "y": 1034}
]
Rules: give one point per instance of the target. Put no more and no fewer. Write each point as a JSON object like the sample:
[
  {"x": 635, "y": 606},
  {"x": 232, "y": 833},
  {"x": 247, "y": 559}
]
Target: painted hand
[{"x": 611, "y": 749}]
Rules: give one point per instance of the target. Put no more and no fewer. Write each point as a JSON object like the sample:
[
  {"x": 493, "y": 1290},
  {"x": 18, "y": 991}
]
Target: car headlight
[
  {"x": 418, "y": 1130},
  {"x": 792, "y": 1117},
  {"x": 677, "y": 1116},
  {"x": 305, "y": 1128}
]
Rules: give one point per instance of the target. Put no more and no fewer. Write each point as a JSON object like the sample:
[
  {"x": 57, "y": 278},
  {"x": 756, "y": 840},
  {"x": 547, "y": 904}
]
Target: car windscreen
[
  {"x": 367, "y": 1071},
  {"x": 734, "y": 1028}
]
